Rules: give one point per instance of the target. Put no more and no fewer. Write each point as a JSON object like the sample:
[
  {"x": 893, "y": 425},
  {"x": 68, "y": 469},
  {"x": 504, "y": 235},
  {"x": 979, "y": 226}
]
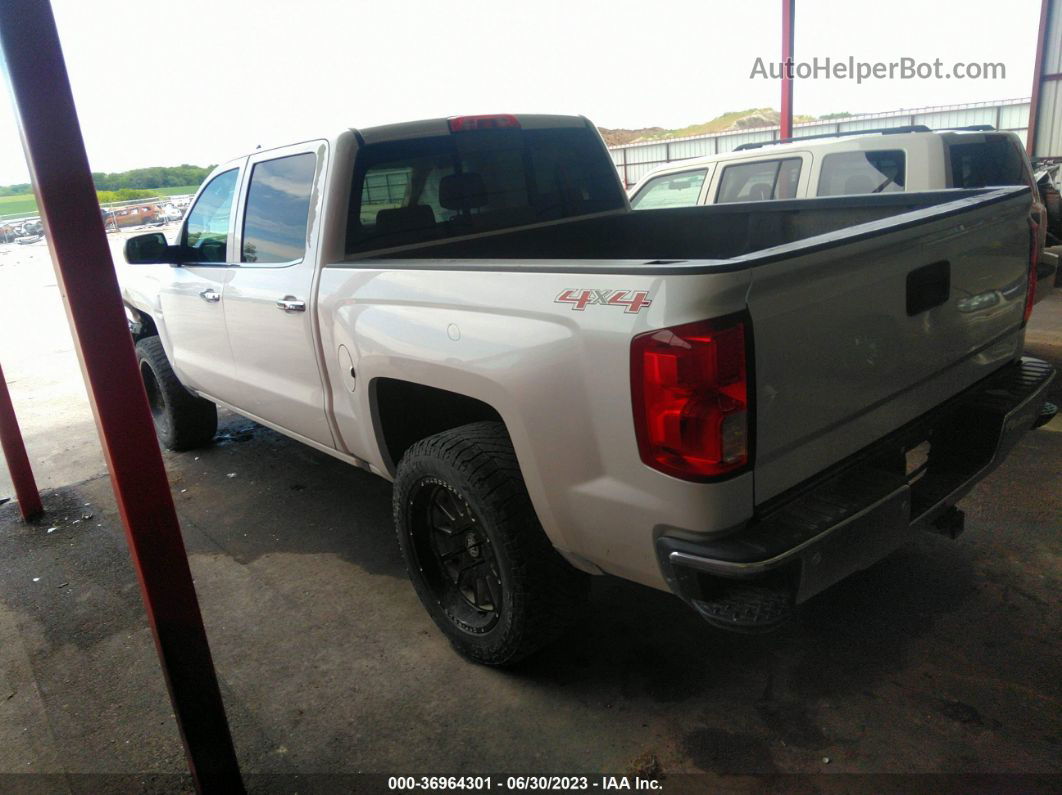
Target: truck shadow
[
  {"x": 630, "y": 642},
  {"x": 644, "y": 643},
  {"x": 730, "y": 701},
  {"x": 255, "y": 492}
]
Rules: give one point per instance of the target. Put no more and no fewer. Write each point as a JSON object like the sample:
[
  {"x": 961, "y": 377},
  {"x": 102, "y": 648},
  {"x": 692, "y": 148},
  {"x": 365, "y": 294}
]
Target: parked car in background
[
  {"x": 730, "y": 402},
  {"x": 891, "y": 160},
  {"x": 131, "y": 215},
  {"x": 29, "y": 227}
]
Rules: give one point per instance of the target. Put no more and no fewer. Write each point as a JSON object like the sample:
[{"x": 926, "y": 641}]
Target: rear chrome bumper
[{"x": 858, "y": 512}]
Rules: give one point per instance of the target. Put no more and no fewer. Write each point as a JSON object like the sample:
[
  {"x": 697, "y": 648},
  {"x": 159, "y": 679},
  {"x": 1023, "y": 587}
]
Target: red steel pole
[
  {"x": 1038, "y": 80},
  {"x": 18, "y": 465},
  {"x": 788, "y": 14},
  {"x": 66, "y": 196}
]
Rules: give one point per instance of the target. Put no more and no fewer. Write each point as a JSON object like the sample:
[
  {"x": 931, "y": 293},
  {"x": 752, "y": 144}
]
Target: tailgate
[{"x": 857, "y": 333}]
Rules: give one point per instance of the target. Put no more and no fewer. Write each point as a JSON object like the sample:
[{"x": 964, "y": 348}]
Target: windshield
[
  {"x": 476, "y": 181},
  {"x": 670, "y": 190}
]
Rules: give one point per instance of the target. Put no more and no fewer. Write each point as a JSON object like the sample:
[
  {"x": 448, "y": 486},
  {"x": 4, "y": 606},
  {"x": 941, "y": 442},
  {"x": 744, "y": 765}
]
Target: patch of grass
[
  {"x": 182, "y": 190},
  {"x": 23, "y": 204}
]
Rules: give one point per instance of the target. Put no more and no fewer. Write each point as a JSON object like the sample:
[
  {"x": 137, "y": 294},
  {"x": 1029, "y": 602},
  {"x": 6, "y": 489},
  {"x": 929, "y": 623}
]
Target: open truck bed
[{"x": 866, "y": 311}]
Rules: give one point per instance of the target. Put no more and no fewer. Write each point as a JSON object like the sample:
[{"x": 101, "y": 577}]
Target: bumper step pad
[{"x": 746, "y": 608}]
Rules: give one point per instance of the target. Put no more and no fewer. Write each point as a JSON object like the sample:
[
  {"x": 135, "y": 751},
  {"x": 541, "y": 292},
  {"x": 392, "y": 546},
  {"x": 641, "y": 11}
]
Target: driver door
[{"x": 192, "y": 300}]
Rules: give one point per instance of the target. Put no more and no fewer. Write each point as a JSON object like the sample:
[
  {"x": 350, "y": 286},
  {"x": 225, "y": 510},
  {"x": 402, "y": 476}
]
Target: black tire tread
[
  {"x": 547, "y": 588},
  {"x": 193, "y": 420}
]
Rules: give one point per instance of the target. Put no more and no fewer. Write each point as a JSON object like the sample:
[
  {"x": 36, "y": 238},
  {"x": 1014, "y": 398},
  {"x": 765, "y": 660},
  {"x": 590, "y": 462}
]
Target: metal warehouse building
[
  {"x": 635, "y": 160},
  {"x": 1047, "y": 83}
]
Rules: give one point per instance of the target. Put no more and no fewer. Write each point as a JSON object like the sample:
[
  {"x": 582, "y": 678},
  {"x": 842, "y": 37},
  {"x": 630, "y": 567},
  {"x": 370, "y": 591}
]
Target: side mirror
[{"x": 149, "y": 249}]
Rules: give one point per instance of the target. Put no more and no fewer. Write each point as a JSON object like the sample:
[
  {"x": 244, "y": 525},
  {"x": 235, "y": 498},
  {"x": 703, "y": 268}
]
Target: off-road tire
[
  {"x": 541, "y": 593},
  {"x": 183, "y": 421}
]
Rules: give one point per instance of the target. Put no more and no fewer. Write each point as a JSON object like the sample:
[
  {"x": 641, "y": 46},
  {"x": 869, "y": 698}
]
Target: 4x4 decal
[{"x": 633, "y": 301}]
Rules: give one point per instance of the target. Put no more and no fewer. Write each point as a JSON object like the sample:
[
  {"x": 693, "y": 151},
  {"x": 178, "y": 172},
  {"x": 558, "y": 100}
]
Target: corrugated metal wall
[
  {"x": 1048, "y": 137},
  {"x": 635, "y": 160}
]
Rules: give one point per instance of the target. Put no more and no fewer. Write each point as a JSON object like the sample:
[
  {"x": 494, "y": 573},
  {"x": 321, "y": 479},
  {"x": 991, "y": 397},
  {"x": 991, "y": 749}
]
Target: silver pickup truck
[{"x": 740, "y": 403}]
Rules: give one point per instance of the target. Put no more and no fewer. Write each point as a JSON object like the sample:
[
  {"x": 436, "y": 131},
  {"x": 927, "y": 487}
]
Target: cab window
[
  {"x": 850, "y": 173},
  {"x": 670, "y": 190},
  {"x": 384, "y": 189},
  {"x": 206, "y": 232},
  {"x": 419, "y": 190},
  {"x": 278, "y": 207},
  {"x": 759, "y": 181}
]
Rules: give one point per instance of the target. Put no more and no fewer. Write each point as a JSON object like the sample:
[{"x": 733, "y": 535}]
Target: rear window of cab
[{"x": 425, "y": 189}]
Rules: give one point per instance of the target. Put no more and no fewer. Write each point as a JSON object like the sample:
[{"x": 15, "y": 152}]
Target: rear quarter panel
[{"x": 559, "y": 378}]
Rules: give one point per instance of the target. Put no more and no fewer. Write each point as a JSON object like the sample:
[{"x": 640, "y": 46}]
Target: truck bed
[
  {"x": 865, "y": 311},
  {"x": 680, "y": 240}
]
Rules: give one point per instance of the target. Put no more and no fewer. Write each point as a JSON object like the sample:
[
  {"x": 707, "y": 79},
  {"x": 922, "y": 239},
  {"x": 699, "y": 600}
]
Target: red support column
[
  {"x": 1038, "y": 80},
  {"x": 788, "y": 13},
  {"x": 66, "y": 196},
  {"x": 18, "y": 465}
]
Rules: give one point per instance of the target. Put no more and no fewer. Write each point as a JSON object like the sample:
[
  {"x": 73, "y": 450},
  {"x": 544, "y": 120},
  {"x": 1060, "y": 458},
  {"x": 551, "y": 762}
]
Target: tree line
[
  {"x": 123, "y": 195},
  {"x": 154, "y": 177},
  {"x": 137, "y": 179}
]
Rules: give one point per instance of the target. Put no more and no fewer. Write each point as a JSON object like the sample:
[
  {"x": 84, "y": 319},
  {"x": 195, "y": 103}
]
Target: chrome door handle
[
  {"x": 290, "y": 303},
  {"x": 210, "y": 295}
]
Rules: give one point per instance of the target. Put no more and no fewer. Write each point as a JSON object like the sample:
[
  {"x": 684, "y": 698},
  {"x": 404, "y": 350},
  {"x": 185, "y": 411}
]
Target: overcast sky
[{"x": 199, "y": 81}]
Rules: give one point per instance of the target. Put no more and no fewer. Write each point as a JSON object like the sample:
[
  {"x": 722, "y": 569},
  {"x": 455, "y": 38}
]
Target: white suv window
[
  {"x": 992, "y": 162},
  {"x": 670, "y": 190},
  {"x": 759, "y": 181},
  {"x": 851, "y": 173}
]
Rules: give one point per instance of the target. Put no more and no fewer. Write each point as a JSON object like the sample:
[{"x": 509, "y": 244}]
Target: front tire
[
  {"x": 183, "y": 421},
  {"x": 477, "y": 556}
]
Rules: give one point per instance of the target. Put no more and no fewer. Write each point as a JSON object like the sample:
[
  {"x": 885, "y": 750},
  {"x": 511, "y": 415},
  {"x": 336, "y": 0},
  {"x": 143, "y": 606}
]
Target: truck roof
[
  {"x": 441, "y": 126},
  {"x": 422, "y": 128}
]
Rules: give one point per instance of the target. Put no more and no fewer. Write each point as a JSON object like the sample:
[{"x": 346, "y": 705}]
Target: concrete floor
[{"x": 944, "y": 658}]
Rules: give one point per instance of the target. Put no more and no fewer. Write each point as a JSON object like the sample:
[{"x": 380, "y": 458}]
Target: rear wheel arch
[{"x": 404, "y": 412}]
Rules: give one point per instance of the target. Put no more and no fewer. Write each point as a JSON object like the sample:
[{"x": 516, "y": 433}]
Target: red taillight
[
  {"x": 689, "y": 386},
  {"x": 489, "y": 122},
  {"x": 1034, "y": 262}
]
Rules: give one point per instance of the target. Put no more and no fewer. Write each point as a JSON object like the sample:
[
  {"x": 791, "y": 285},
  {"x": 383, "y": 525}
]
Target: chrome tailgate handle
[{"x": 290, "y": 303}]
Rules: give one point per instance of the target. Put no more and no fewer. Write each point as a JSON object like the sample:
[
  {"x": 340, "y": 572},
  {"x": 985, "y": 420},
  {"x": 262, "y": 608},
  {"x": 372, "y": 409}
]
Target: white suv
[
  {"x": 877, "y": 161},
  {"x": 901, "y": 159}
]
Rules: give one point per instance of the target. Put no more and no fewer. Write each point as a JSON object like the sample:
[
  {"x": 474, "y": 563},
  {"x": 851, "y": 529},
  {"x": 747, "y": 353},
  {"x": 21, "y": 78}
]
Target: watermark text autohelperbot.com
[{"x": 827, "y": 68}]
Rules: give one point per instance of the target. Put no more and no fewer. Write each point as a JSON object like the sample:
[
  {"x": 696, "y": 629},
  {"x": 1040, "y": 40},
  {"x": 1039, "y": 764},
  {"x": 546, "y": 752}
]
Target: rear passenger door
[{"x": 269, "y": 300}]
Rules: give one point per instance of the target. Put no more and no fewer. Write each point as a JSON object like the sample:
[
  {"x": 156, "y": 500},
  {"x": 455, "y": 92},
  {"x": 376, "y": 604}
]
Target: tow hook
[
  {"x": 1047, "y": 413},
  {"x": 951, "y": 523}
]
